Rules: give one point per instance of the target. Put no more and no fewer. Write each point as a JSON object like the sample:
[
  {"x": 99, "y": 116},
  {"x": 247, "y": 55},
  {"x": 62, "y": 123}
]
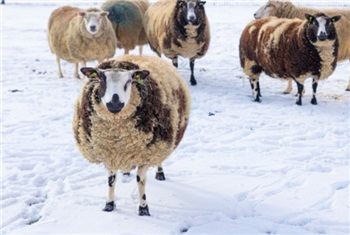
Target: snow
[{"x": 242, "y": 167}]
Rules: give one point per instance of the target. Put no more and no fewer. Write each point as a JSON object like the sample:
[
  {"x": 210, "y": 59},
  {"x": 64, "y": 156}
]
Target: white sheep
[
  {"x": 126, "y": 17},
  {"x": 133, "y": 112},
  {"x": 285, "y": 9},
  {"x": 178, "y": 28},
  {"x": 290, "y": 49},
  {"x": 79, "y": 36}
]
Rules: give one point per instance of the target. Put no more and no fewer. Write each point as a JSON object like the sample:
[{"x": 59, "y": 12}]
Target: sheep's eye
[{"x": 126, "y": 84}]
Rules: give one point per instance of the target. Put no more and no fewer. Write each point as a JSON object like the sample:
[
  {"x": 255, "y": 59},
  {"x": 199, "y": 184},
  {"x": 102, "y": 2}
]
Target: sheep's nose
[
  {"x": 192, "y": 19},
  {"x": 322, "y": 36},
  {"x": 114, "y": 106},
  {"x": 93, "y": 28}
]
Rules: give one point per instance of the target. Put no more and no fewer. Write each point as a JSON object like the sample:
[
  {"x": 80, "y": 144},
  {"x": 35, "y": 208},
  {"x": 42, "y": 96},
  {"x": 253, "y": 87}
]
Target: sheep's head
[
  {"x": 269, "y": 9},
  {"x": 190, "y": 11},
  {"x": 321, "y": 27},
  {"x": 93, "y": 20},
  {"x": 114, "y": 85}
]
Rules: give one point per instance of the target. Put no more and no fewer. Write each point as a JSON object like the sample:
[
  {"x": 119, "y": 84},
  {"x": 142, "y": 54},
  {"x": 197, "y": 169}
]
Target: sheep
[
  {"x": 178, "y": 28},
  {"x": 289, "y": 49},
  {"x": 79, "y": 36},
  {"x": 285, "y": 9},
  {"x": 133, "y": 111},
  {"x": 127, "y": 20}
]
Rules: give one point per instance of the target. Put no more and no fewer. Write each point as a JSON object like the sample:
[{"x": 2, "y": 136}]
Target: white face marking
[
  {"x": 117, "y": 83},
  {"x": 263, "y": 11},
  {"x": 321, "y": 26},
  {"x": 191, "y": 15},
  {"x": 92, "y": 22}
]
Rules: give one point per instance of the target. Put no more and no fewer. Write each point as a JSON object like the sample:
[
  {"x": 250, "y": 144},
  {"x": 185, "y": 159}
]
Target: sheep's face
[
  {"x": 268, "y": 9},
  {"x": 321, "y": 27},
  {"x": 190, "y": 11},
  {"x": 93, "y": 20},
  {"x": 114, "y": 88}
]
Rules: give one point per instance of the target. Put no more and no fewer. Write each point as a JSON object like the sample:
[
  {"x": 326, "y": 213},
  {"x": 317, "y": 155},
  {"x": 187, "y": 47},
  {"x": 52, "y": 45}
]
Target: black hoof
[
  {"x": 109, "y": 206},
  {"x": 143, "y": 211},
  {"x": 193, "y": 81},
  {"x": 126, "y": 173},
  {"x": 314, "y": 101},
  {"x": 160, "y": 176},
  {"x": 285, "y": 93},
  {"x": 257, "y": 100},
  {"x": 298, "y": 103},
  {"x": 175, "y": 65},
  {"x": 347, "y": 90}
]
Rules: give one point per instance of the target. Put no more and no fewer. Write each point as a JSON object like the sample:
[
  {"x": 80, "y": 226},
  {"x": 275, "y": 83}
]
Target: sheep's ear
[
  {"x": 140, "y": 75},
  {"x": 104, "y": 13},
  {"x": 91, "y": 73},
  {"x": 202, "y": 3},
  {"x": 82, "y": 13},
  {"x": 335, "y": 18},
  {"x": 180, "y": 3},
  {"x": 310, "y": 18}
]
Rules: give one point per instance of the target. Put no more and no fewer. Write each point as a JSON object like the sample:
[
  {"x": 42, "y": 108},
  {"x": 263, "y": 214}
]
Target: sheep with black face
[
  {"x": 178, "y": 28},
  {"x": 133, "y": 111},
  {"x": 290, "y": 49}
]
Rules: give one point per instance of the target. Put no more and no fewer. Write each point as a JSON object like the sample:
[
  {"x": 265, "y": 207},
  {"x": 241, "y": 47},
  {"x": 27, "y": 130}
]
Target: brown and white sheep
[
  {"x": 79, "y": 36},
  {"x": 133, "y": 112},
  {"x": 290, "y": 49},
  {"x": 285, "y": 9},
  {"x": 126, "y": 17},
  {"x": 178, "y": 28}
]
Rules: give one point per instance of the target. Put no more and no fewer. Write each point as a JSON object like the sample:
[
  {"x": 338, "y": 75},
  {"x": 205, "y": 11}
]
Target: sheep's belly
[
  {"x": 123, "y": 149},
  {"x": 188, "y": 49}
]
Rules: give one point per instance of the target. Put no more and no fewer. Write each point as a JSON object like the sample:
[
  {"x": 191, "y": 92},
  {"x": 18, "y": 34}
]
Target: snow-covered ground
[{"x": 242, "y": 167}]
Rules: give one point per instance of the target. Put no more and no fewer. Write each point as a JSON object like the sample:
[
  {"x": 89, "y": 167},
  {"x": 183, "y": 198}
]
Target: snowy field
[{"x": 242, "y": 167}]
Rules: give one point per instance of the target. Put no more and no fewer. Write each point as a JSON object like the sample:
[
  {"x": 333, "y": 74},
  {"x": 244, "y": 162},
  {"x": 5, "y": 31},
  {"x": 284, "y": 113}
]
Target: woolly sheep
[
  {"x": 178, "y": 28},
  {"x": 285, "y": 9},
  {"x": 289, "y": 49},
  {"x": 133, "y": 112},
  {"x": 127, "y": 20},
  {"x": 79, "y": 36}
]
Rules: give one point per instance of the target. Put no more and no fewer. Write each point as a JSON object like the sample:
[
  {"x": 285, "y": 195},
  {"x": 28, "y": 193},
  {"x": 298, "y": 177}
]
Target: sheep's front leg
[
  {"x": 140, "y": 50},
  {"x": 112, "y": 178},
  {"x": 254, "y": 83},
  {"x": 160, "y": 173},
  {"x": 76, "y": 72},
  {"x": 300, "y": 92},
  {"x": 141, "y": 183},
  {"x": 174, "y": 61},
  {"x": 193, "y": 80},
  {"x": 314, "y": 89}
]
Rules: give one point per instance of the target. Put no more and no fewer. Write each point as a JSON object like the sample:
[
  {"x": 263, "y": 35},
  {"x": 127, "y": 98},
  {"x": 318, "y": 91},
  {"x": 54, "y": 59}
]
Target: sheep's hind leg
[
  {"x": 174, "y": 61},
  {"x": 314, "y": 89},
  {"x": 141, "y": 183},
  {"x": 58, "y": 60},
  {"x": 112, "y": 178},
  {"x": 76, "y": 72},
  {"x": 254, "y": 83},
  {"x": 140, "y": 50},
  {"x": 193, "y": 80},
  {"x": 160, "y": 173},
  {"x": 300, "y": 93},
  {"x": 289, "y": 87}
]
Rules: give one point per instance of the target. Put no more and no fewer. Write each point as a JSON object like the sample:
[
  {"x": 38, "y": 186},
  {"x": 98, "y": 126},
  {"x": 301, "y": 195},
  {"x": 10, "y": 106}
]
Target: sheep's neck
[{"x": 191, "y": 30}]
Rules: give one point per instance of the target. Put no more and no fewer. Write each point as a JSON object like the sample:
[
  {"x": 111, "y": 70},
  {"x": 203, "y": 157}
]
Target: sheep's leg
[
  {"x": 126, "y": 52},
  {"x": 300, "y": 92},
  {"x": 193, "y": 80},
  {"x": 141, "y": 183},
  {"x": 254, "y": 83},
  {"x": 348, "y": 87},
  {"x": 112, "y": 178},
  {"x": 160, "y": 173},
  {"x": 289, "y": 88},
  {"x": 140, "y": 50},
  {"x": 76, "y": 72},
  {"x": 174, "y": 61},
  {"x": 58, "y": 60},
  {"x": 314, "y": 89}
]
